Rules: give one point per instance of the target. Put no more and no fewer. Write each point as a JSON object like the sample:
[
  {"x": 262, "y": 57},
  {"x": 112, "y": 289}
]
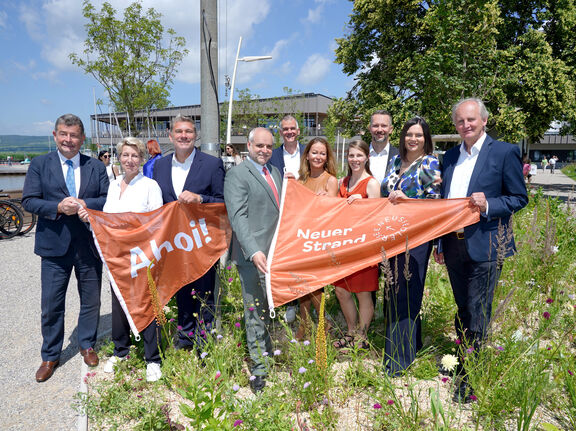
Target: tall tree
[
  {"x": 134, "y": 58},
  {"x": 419, "y": 57}
]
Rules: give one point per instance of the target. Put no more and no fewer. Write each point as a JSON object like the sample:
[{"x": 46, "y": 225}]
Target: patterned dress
[
  {"x": 365, "y": 280},
  {"x": 420, "y": 180}
]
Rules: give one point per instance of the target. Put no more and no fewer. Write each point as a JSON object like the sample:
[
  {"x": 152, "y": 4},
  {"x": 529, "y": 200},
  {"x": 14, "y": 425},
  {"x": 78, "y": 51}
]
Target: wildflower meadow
[{"x": 524, "y": 376}]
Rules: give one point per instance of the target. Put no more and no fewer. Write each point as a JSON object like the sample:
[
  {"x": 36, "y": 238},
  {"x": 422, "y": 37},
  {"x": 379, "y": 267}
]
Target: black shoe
[
  {"x": 464, "y": 393},
  {"x": 258, "y": 383}
]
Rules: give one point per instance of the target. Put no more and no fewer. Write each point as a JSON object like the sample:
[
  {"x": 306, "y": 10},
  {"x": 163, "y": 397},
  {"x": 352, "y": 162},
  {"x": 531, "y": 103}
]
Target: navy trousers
[
  {"x": 196, "y": 310},
  {"x": 55, "y": 276},
  {"x": 402, "y": 309}
]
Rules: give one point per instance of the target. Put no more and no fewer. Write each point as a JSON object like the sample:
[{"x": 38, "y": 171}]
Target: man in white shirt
[
  {"x": 190, "y": 176},
  {"x": 381, "y": 152},
  {"x": 489, "y": 172},
  {"x": 287, "y": 159}
]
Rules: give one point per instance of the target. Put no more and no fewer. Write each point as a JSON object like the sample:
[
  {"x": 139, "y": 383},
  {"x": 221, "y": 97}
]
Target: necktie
[
  {"x": 271, "y": 183},
  {"x": 70, "y": 182}
]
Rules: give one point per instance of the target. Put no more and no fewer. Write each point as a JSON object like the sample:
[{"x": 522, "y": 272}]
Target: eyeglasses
[{"x": 106, "y": 156}]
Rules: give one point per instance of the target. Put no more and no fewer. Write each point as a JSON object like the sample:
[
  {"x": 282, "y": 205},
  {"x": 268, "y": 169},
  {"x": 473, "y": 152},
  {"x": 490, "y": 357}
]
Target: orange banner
[
  {"x": 321, "y": 239},
  {"x": 180, "y": 243}
]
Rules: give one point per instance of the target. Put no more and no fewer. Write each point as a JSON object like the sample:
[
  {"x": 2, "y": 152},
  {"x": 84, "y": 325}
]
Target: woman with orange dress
[
  {"x": 359, "y": 184},
  {"x": 317, "y": 173}
]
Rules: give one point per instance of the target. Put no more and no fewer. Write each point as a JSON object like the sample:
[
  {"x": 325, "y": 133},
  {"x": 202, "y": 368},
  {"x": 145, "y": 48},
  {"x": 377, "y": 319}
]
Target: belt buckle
[{"x": 460, "y": 235}]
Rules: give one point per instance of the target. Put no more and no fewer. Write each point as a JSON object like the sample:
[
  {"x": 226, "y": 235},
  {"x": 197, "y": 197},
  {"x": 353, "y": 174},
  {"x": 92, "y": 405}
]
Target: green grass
[
  {"x": 570, "y": 171},
  {"x": 524, "y": 377}
]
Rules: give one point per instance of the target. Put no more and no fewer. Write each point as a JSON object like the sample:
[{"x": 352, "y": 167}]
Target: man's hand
[
  {"x": 478, "y": 200},
  {"x": 438, "y": 257},
  {"x": 260, "y": 262},
  {"x": 187, "y": 197},
  {"x": 70, "y": 205}
]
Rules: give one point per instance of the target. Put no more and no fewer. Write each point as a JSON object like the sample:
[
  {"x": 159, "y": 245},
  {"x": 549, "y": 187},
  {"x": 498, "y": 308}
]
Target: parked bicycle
[{"x": 10, "y": 221}]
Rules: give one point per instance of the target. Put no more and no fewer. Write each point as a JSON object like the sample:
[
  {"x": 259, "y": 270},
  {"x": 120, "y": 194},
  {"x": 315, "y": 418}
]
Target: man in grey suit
[{"x": 252, "y": 194}]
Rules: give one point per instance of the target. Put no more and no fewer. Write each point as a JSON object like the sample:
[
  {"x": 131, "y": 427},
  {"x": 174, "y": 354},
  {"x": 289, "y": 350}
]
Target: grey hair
[
  {"x": 134, "y": 143},
  {"x": 289, "y": 117},
  {"x": 253, "y": 131},
  {"x": 180, "y": 118},
  {"x": 483, "y": 111},
  {"x": 69, "y": 120},
  {"x": 380, "y": 112}
]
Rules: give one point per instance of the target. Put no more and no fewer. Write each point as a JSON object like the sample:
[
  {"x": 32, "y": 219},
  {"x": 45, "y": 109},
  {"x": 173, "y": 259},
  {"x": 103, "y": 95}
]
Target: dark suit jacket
[
  {"x": 277, "y": 158},
  {"x": 497, "y": 173},
  {"x": 45, "y": 187},
  {"x": 252, "y": 209},
  {"x": 205, "y": 178}
]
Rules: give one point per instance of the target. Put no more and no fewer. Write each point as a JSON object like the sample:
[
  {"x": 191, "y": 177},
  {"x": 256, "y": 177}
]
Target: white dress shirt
[
  {"x": 180, "y": 172},
  {"x": 76, "y": 166},
  {"x": 141, "y": 195},
  {"x": 379, "y": 162},
  {"x": 292, "y": 161}
]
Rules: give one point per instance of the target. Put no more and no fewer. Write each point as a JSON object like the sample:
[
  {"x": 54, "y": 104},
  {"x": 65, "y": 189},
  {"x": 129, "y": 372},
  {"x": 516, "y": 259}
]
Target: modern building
[{"x": 309, "y": 108}]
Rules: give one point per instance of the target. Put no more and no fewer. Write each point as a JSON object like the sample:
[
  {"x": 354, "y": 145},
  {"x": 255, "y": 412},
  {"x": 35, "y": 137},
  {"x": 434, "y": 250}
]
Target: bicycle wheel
[
  {"x": 10, "y": 220},
  {"x": 28, "y": 220}
]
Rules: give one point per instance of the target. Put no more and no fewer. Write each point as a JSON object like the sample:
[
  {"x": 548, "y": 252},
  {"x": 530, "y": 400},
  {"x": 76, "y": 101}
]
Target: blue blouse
[
  {"x": 420, "y": 181},
  {"x": 148, "y": 168}
]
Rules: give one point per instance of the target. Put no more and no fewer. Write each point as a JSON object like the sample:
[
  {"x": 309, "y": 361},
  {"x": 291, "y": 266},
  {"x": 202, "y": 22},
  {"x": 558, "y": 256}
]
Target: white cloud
[
  {"x": 314, "y": 69},
  {"x": 3, "y": 19},
  {"x": 316, "y": 14},
  {"x": 42, "y": 127}
]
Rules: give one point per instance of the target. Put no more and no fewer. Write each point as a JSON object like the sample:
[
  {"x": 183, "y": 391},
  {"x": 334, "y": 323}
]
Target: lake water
[{"x": 12, "y": 182}]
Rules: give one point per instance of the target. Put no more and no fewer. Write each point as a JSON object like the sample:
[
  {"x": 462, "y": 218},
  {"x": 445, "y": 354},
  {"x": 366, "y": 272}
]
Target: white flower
[
  {"x": 554, "y": 249},
  {"x": 449, "y": 362}
]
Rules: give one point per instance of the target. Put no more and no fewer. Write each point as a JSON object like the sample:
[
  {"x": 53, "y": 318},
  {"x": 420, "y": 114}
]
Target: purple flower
[
  {"x": 217, "y": 376},
  {"x": 238, "y": 422},
  {"x": 444, "y": 379},
  {"x": 230, "y": 280},
  {"x": 458, "y": 341},
  {"x": 219, "y": 337},
  {"x": 179, "y": 327},
  {"x": 570, "y": 372},
  {"x": 306, "y": 385},
  {"x": 172, "y": 320},
  {"x": 139, "y": 396},
  {"x": 202, "y": 332},
  {"x": 228, "y": 267},
  {"x": 190, "y": 333},
  {"x": 549, "y": 301},
  {"x": 235, "y": 388},
  {"x": 277, "y": 352},
  {"x": 294, "y": 341},
  {"x": 237, "y": 324},
  {"x": 390, "y": 402},
  {"x": 311, "y": 361},
  {"x": 302, "y": 370},
  {"x": 377, "y": 406},
  {"x": 252, "y": 378},
  {"x": 193, "y": 292},
  {"x": 251, "y": 308},
  {"x": 265, "y": 354},
  {"x": 306, "y": 343},
  {"x": 500, "y": 348},
  {"x": 203, "y": 355},
  {"x": 546, "y": 315},
  {"x": 470, "y": 349},
  {"x": 473, "y": 397}
]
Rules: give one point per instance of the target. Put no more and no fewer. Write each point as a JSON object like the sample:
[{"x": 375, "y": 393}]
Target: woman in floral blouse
[{"x": 413, "y": 174}]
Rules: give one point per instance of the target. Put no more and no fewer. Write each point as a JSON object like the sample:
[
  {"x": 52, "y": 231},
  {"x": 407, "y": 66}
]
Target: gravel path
[{"x": 24, "y": 403}]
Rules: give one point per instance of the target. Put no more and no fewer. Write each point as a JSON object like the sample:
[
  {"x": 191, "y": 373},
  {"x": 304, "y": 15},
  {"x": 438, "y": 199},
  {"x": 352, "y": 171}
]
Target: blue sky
[{"x": 38, "y": 82}]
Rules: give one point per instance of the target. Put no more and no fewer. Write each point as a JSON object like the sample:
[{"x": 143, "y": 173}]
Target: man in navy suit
[
  {"x": 490, "y": 173},
  {"x": 190, "y": 176},
  {"x": 56, "y": 185},
  {"x": 286, "y": 158}
]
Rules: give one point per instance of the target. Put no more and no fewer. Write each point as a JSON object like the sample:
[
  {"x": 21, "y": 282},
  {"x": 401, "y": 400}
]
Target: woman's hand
[
  {"x": 396, "y": 196},
  {"x": 352, "y": 198}
]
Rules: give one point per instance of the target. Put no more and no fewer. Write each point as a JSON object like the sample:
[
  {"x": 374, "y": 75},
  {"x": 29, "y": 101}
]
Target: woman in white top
[
  {"x": 111, "y": 170},
  {"x": 132, "y": 192}
]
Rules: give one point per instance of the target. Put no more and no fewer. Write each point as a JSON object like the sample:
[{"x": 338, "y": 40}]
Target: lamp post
[{"x": 246, "y": 59}]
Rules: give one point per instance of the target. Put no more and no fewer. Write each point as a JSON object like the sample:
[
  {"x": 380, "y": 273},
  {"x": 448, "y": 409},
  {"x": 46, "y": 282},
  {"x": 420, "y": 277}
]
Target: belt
[{"x": 458, "y": 235}]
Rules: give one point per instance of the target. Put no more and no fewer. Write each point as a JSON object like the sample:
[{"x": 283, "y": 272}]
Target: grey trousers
[{"x": 256, "y": 317}]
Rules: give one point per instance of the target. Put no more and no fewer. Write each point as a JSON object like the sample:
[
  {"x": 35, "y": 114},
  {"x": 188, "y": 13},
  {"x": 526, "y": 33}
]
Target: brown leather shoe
[
  {"x": 46, "y": 370},
  {"x": 90, "y": 357}
]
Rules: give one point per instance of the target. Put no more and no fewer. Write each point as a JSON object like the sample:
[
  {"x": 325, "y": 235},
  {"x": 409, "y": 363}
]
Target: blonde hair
[{"x": 134, "y": 143}]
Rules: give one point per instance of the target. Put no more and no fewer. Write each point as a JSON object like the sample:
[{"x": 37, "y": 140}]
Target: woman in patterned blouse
[{"x": 413, "y": 174}]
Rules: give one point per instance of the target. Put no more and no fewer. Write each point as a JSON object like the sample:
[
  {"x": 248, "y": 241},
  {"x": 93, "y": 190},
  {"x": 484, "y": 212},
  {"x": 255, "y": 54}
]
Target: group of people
[
  {"x": 60, "y": 185},
  {"x": 549, "y": 162}
]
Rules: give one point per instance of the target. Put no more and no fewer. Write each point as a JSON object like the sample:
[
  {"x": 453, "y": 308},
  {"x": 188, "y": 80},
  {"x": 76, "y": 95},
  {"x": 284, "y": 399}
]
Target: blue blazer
[
  {"x": 497, "y": 173},
  {"x": 45, "y": 187},
  {"x": 277, "y": 158},
  {"x": 205, "y": 178}
]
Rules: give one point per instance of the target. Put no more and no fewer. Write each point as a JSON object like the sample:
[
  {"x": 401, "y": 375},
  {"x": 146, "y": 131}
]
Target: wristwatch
[{"x": 201, "y": 199}]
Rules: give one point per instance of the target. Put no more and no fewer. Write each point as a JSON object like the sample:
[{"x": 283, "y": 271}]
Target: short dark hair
[
  {"x": 69, "y": 120},
  {"x": 380, "y": 112},
  {"x": 428, "y": 144},
  {"x": 101, "y": 153}
]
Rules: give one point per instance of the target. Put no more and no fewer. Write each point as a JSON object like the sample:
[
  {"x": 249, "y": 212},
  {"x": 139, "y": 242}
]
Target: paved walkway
[{"x": 27, "y": 405}]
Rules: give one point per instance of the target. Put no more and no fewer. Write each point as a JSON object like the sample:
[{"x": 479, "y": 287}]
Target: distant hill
[{"x": 28, "y": 144}]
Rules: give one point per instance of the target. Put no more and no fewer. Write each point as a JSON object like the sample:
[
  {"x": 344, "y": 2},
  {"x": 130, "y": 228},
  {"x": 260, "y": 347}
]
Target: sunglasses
[{"x": 106, "y": 156}]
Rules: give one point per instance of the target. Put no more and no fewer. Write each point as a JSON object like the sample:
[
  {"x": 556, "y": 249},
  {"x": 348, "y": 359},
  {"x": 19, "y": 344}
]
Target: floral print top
[{"x": 420, "y": 181}]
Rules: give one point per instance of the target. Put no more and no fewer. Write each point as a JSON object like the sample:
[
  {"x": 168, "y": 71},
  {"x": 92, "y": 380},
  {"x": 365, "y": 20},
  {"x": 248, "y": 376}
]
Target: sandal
[{"x": 346, "y": 341}]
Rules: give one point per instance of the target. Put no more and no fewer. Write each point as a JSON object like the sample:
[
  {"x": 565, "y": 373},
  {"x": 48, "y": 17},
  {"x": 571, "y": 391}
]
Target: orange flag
[
  {"x": 179, "y": 242},
  {"x": 321, "y": 239}
]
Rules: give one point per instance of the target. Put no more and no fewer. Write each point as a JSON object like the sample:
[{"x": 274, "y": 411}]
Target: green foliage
[
  {"x": 570, "y": 171},
  {"x": 420, "y": 57},
  {"x": 129, "y": 58}
]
